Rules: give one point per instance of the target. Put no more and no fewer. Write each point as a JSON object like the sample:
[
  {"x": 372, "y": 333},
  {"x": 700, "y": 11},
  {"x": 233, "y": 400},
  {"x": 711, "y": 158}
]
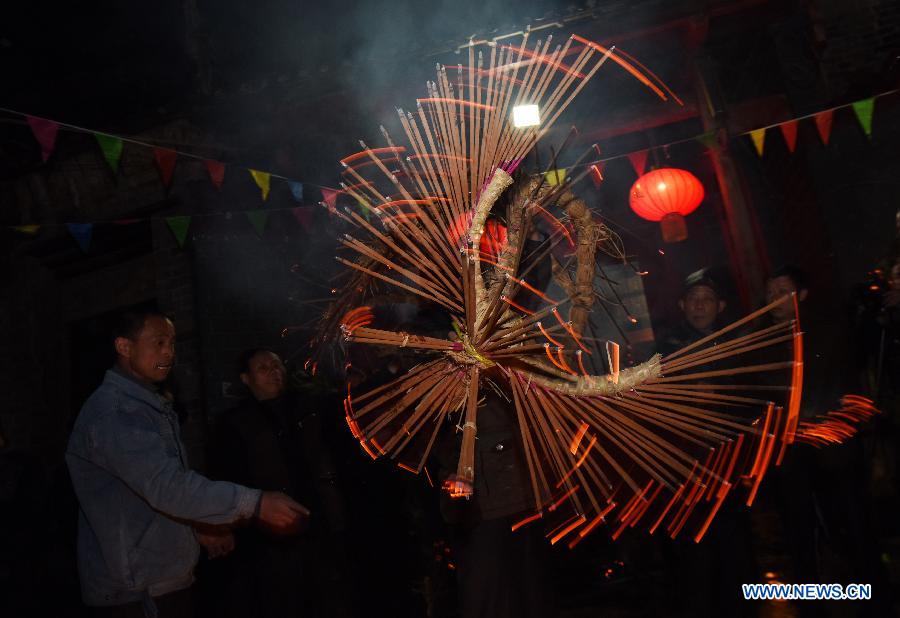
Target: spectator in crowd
[
  {"x": 139, "y": 500},
  {"x": 709, "y": 574},
  {"x": 701, "y": 304},
  {"x": 818, "y": 493},
  {"x": 274, "y": 440}
]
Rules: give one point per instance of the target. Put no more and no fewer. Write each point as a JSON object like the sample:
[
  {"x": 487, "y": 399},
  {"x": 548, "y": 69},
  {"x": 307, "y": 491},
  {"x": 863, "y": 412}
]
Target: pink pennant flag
[
  {"x": 823, "y": 124},
  {"x": 638, "y": 161},
  {"x": 329, "y": 196},
  {"x": 165, "y": 160},
  {"x": 45, "y": 133},
  {"x": 789, "y": 132},
  {"x": 304, "y": 216},
  {"x": 216, "y": 172}
]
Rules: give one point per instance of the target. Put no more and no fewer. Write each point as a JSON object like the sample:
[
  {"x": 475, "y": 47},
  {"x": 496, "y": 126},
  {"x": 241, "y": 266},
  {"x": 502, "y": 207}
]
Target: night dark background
[{"x": 290, "y": 88}]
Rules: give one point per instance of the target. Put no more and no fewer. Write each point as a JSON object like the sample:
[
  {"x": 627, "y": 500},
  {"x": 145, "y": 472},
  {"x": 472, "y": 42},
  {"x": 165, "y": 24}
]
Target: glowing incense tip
[
  {"x": 526, "y": 116},
  {"x": 576, "y": 441}
]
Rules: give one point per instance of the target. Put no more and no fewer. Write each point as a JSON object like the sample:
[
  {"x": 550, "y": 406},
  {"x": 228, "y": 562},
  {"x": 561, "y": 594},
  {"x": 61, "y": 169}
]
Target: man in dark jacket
[
  {"x": 500, "y": 573},
  {"x": 709, "y": 573},
  {"x": 701, "y": 304},
  {"x": 274, "y": 440}
]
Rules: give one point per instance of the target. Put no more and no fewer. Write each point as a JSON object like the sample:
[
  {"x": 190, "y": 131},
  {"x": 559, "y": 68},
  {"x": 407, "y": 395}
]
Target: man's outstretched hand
[
  {"x": 280, "y": 514},
  {"x": 216, "y": 542}
]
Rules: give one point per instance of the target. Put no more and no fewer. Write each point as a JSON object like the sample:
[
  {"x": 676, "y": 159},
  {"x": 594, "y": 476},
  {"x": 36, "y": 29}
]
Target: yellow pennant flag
[
  {"x": 556, "y": 177},
  {"x": 759, "y": 140},
  {"x": 262, "y": 180}
]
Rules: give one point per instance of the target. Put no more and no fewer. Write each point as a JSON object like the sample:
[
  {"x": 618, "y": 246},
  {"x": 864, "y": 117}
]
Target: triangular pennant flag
[
  {"x": 789, "y": 132},
  {"x": 864, "y": 110},
  {"x": 165, "y": 160},
  {"x": 179, "y": 226},
  {"x": 262, "y": 180},
  {"x": 708, "y": 139},
  {"x": 823, "y": 124},
  {"x": 112, "y": 149},
  {"x": 258, "y": 219},
  {"x": 758, "y": 137},
  {"x": 638, "y": 161},
  {"x": 597, "y": 173},
  {"x": 82, "y": 233},
  {"x": 329, "y": 196},
  {"x": 304, "y": 216},
  {"x": 556, "y": 177},
  {"x": 27, "y": 229},
  {"x": 216, "y": 172},
  {"x": 296, "y": 189},
  {"x": 45, "y": 133}
]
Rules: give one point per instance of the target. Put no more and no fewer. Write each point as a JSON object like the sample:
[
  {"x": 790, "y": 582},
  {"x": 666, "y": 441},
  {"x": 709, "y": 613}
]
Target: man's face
[
  {"x": 894, "y": 280},
  {"x": 150, "y": 356},
  {"x": 779, "y": 287},
  {"x": 701, "y": 307},
  {"x": 265, "y": 376}
]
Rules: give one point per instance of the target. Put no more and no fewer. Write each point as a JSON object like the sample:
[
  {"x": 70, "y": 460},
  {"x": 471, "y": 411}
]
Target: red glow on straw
[
  {"x": 393, "y": 150},
  {"x": 452, "y": 101}
]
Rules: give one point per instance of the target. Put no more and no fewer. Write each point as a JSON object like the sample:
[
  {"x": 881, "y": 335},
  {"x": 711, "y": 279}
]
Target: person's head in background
[
  {"x": 262, "y": 371},
  {"x": 782, "y": 283},
  {"x": 894, "y": 277},
  {"x": 144, "y": 342},
  {"x": 701, "y": 302}
]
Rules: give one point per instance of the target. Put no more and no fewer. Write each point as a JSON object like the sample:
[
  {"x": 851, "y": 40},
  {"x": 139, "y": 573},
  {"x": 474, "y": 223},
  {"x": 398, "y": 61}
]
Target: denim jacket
[{"x": 137, "y": 495}]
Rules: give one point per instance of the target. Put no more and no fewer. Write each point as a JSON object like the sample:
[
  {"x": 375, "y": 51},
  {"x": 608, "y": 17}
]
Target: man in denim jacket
[{"x": 136, "y": 546}]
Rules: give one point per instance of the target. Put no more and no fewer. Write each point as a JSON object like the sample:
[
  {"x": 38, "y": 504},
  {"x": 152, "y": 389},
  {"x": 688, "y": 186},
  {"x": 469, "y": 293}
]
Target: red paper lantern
[
  {"x": 667, "y": 195},
  {"x": 493, "y": 239}
]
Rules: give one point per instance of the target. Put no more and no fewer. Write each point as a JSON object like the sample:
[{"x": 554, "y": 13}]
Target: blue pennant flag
[
  {"x": 296, "y": 189},
  {"x": 82, "y": 233}
]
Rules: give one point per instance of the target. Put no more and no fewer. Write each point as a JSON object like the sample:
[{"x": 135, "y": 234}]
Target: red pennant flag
[
  {"x": 165, "y": 160},
  {"x": 597, "y": 173},
  {"x": 304, "y": 216},
  {"x": 638, "y": 161},
  {"x": 823, "y": 124},
  {"x": 216, "y": 172},
  {"x": 789, "y": 132},
  {"x": 329, "y": 196},
  {"x": 45, "y": 133}
]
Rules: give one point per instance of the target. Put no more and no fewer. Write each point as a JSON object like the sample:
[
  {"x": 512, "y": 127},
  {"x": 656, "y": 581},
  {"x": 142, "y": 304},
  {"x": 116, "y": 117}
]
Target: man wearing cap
[
  {"x": 701, "y": 305},
  {"x": 709, "y": 574}
]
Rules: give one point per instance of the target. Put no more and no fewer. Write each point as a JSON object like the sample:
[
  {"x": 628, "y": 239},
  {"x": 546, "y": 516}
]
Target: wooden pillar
[{"x": 747, "y": 254}]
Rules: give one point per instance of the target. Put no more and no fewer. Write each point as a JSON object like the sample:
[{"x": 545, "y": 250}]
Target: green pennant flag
[
  {"x": 708, "y": 139},
  {"x": 263, "y": 181},
  {"x": 864, "y": 110},
  {"x": 179, "y": 226},
  {"x": 112, "y": 149},
  {"x": 759, "y": 140},
  {"x": 258, "y": 219},
  {"x": 364, "y": 208}
]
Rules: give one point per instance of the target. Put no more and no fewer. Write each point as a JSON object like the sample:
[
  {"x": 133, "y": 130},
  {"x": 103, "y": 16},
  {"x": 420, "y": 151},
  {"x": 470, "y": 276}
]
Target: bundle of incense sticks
[{"x": 660, "y": 444}]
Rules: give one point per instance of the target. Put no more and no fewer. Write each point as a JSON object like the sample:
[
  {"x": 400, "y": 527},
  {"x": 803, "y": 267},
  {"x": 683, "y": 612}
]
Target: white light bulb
[{"x": 526, "y": 116}]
